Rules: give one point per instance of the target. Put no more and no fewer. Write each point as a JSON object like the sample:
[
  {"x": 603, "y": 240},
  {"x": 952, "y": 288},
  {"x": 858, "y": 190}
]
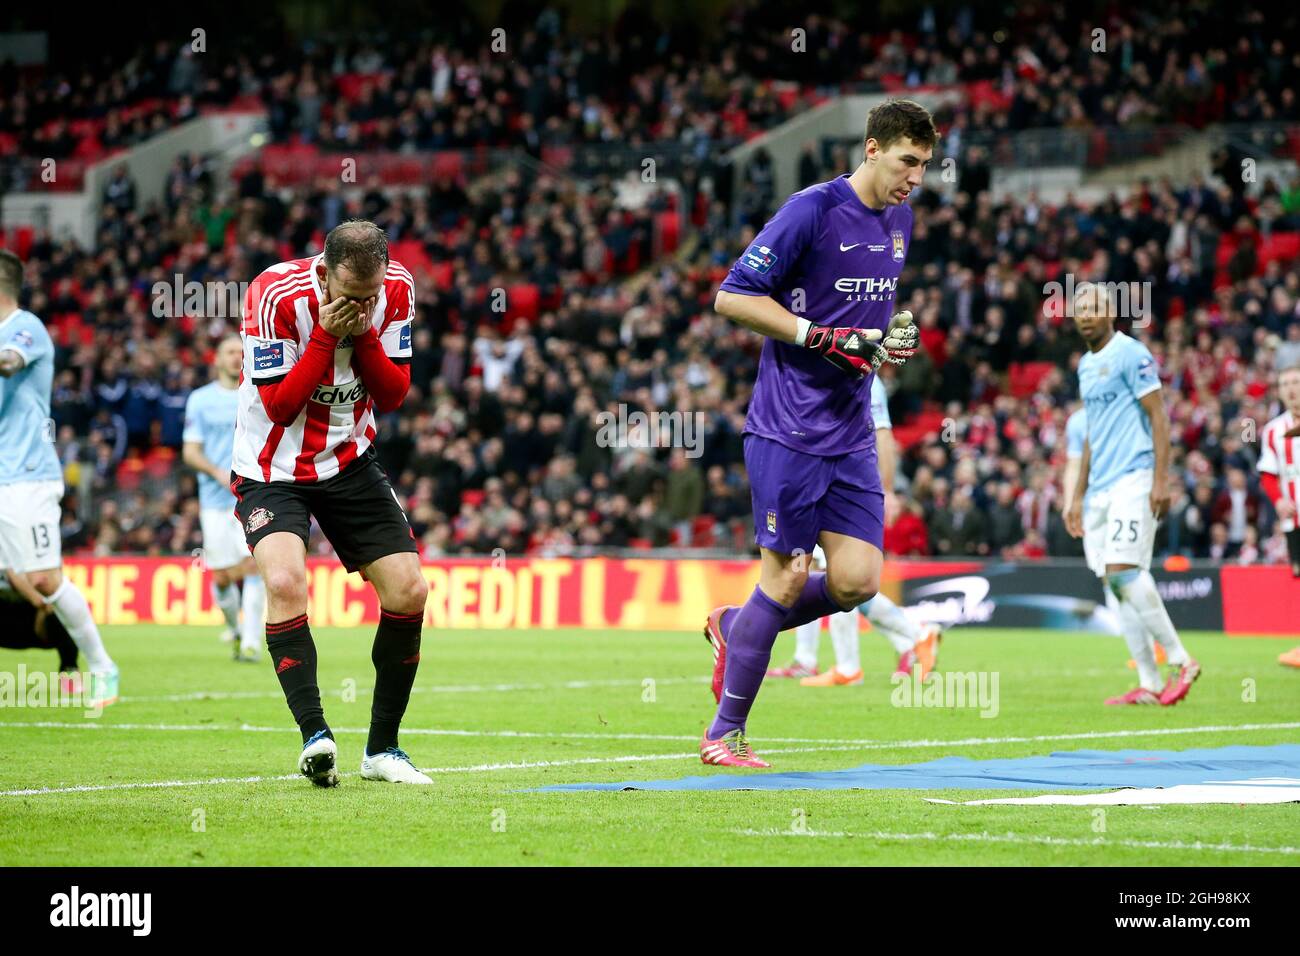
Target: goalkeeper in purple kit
[{"x": 835, "y": 249}]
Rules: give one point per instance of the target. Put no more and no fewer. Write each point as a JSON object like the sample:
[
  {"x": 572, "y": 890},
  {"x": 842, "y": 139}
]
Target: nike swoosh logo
[
  {"x": 844, "y": 248},
  {"x": 727, "y": 693}
]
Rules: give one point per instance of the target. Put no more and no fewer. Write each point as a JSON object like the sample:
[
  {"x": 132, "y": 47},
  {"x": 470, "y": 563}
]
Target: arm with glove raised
[{"x": 856, "y": 351}]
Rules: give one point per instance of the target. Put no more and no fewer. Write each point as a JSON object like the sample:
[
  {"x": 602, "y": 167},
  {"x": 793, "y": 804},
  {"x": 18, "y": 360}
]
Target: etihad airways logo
[
  {"x": 339, "y": 394},
  {"x": 870, "y": 289}
]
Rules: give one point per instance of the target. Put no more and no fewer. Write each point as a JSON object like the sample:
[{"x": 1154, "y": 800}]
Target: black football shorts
[{"x": 356, "y": 509}]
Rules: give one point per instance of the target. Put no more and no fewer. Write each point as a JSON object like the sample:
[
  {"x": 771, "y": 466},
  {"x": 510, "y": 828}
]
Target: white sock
[
  {"x": 70, "y": 607},
  {"x": 1140, "y": 647},
  {"x": 892, "y": 622},
  {"x": 254, "y": 602},
  {"x": 844, "y": 638},
  {"x": 227, "y": 599},
  {"x": 1142, "y": 594},
  {"x": 806, "y": 638},
  {"x": 1112, "y": 604}
]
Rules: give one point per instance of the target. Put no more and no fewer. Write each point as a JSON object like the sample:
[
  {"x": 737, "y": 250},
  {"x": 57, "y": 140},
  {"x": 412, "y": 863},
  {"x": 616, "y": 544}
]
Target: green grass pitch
[{"x": 497, "y": 712}]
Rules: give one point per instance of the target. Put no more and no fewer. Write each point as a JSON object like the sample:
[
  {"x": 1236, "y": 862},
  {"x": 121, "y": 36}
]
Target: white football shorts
[
  {"x": 30, "y": 516},
  {"x": 223, "y": 538},
  {"x": 1118, "y": 526}
]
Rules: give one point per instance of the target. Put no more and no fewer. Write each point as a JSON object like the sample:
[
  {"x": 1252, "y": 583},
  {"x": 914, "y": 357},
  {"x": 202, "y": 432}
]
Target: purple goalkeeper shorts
[{"x": 796, "y": 496}]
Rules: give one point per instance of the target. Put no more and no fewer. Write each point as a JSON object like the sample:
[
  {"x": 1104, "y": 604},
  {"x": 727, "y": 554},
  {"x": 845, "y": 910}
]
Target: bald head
[
  {"x": 354, "y": 263},
  {"x": 358, "y": 246}
]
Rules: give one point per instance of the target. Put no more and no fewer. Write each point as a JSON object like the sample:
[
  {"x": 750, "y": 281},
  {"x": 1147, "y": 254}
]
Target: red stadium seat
[
  {"x": 667, "y": 232},
  {"x": 441, "y": 272},
  {"x": 159, "y": 462},
  {"x": 1227, "y": 248},
  {"x": 129, "y": 472},
  {"x": 448, "y": 165},
  {"x": 1280, "y": 246},
  {"x": 703, "y": 529},
  {"x": 929, "y": 422},
  {"x": 523, "y": 301},
  {"x": 1023, "y": 377},
  {"x": 410, "y": 253}
]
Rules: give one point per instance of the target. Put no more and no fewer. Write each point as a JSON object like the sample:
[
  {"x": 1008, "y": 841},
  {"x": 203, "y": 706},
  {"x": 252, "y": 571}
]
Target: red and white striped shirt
[
  {"x": 1280, "y": 456},
  {"x": 337, "y": 424}
]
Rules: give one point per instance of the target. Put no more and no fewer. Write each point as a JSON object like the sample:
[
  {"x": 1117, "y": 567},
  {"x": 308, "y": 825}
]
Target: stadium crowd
[
  {"x": 643, "y": 81},
  {"x": 500, "y": 444}
]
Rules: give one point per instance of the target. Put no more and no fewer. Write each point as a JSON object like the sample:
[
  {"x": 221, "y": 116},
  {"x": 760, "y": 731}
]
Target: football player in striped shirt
[
  {"x": 327, "y": 343},
  {"x": 1279, "y": 472}
]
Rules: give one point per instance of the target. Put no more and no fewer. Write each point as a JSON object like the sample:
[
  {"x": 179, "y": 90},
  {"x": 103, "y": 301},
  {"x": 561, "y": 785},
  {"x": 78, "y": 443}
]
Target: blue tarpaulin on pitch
[{"x": 1074, "y": 769}]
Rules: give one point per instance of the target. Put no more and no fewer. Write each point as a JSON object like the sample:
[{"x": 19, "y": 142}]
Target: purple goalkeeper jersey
[{"x": 843, "y": 259}]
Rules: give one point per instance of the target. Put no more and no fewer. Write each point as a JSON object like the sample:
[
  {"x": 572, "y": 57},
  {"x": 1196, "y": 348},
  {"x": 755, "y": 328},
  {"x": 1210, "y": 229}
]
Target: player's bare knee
[
  {"x": 851, "y": 589},
  {"x": 786, "y": 585},
  {"x": 286, "y": 586},
  {"x": 411, "y": 595},
  {"x": 46, "y": 582}
]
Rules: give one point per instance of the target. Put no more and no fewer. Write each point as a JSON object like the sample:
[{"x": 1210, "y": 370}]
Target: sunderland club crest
[{"x": 260, "y": 518}]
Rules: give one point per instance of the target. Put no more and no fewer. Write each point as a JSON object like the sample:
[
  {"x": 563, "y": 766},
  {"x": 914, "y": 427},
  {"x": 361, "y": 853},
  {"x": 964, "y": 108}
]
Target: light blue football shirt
[
  {"x": 26, "y": 430},
  {"x": 880, "y": 404},
  {"x": 1076, "y": 433},
  {"x": 1112, "y": 382},
  {"x": 210, "y": 414}
]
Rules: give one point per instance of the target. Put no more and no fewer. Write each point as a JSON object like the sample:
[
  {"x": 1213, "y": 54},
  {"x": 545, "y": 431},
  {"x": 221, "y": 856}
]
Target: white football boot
[
  {"x": 318, "y": 760},
  {"x": 392, "y": 765}
]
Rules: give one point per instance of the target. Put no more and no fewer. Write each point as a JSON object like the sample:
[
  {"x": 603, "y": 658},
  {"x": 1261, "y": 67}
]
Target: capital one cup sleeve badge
[{"x": 260, "y": 518}]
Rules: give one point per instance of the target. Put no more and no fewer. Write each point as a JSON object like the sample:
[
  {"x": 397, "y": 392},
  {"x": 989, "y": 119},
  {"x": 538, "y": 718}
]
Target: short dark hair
[
  {"x": 11, "y": 273},
  {"x": 358, "y": 244},
  {"x": 901, "y": 119}
]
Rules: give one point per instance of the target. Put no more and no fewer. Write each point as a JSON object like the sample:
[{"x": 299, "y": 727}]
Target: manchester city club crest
[
  {"x": 897, "y": 236},
  {"x": 771, "y": 522}
]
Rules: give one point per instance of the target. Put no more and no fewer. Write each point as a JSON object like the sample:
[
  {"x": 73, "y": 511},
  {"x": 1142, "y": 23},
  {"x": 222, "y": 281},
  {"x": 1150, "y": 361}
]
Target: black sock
[
  {"x": 67, "y": 654},
  {"x": 294, "y": 655},
  {"x": 396, "y": 656}
]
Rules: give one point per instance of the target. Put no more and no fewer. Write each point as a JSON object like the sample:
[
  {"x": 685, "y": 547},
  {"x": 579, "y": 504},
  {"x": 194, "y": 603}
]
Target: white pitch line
[
  {"x": 1025, "y": 838},
  {"x": 436, "y": 689},
  {"x": 857, "y": 744},
  {"x": 475, "y": 768},
  {"x": 636, "y": 758},
  {"x": 90, "y": 724}
]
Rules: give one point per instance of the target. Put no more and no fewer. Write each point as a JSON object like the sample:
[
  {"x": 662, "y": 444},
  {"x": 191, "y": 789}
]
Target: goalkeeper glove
[
  {"x": 901, "y": 338},
  {"x": 862, "y": 351},
  {"x": 857, "y": 351}
]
